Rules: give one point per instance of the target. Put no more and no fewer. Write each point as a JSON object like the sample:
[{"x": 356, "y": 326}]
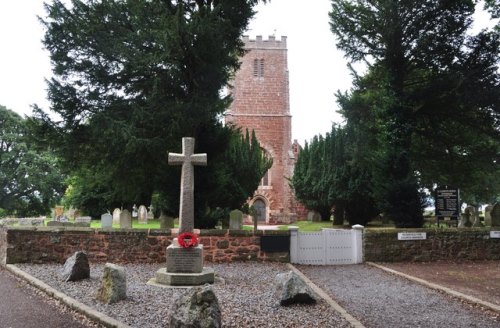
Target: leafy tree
[
  {"x": 328, "y": 174},
  {"x": 30, "y": 181},
  {"x": 131, "y": 79},
  {"x": 427, "y": 82}
]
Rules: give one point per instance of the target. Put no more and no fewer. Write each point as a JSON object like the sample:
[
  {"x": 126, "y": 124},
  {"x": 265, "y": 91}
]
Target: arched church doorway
[{"x": 260, "y": 209}]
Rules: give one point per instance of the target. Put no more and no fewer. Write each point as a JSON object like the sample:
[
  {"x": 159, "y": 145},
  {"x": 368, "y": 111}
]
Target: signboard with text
[{"x": 447, "y": 203}]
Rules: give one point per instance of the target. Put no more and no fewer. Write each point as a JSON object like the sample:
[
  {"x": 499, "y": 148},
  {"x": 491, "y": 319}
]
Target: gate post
[
  {"x": 294, "y": 244},
  {"x": 357, "y": 243}
]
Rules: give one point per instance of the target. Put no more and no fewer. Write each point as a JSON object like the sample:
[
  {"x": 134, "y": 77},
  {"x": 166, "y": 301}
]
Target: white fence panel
[{"x": 327, "y": 247}]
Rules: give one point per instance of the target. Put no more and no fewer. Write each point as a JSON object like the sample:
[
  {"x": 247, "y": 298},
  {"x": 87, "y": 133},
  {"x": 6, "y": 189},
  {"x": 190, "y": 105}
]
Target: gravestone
[
  {"x": 116, "y": 216},
  {"x": 106, "y": 221},
  {"x": 466, "y": 217},
  {"x": 151, "y": 214},
  {"x": 235, "y": 220},
  {"x": 313, "y": 216},
  {"x": 185, "y": 265},
  {"x": 125, "y": 220},
  {"x": 495, "y": 215},
  {"x": 166, "y": 222},
  {"x": 143, "y": 214},
  {"x": 134, "y": 211},
  {"x": 487, "y": 215}
]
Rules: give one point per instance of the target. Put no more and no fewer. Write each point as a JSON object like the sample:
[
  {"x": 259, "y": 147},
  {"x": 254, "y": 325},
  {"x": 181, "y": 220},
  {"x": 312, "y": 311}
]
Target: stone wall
[
  {"x": 441, "y": 244},
  {"x": 48, "y": 244}
]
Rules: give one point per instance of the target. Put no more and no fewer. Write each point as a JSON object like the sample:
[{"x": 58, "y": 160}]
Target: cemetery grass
[
  {"x": 477, "y": 279},
  {"x": 310, "y": 226}
]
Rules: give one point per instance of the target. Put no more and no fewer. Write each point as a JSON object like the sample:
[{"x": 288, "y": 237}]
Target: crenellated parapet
[{"x": 259, "y": 43}]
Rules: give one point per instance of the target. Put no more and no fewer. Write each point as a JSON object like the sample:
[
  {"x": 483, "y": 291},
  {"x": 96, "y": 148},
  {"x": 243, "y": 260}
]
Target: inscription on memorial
[{"x": 181, "y": 260}]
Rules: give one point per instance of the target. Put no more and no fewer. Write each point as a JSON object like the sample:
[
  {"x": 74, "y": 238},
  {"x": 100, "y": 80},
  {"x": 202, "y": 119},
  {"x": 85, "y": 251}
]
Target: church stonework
[{"x": 261, "y": 103}]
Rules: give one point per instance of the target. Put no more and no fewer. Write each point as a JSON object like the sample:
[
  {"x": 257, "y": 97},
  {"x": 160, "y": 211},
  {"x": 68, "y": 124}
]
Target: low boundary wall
[
  {"x": 49, "y": 244},
  {"x": 471, "y": 244}
]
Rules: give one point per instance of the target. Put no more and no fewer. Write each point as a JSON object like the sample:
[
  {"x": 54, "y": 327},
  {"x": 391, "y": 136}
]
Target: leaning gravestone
[
  {"x": 487, "y": 215},
  {"x": 106, "y": 221},
  {"x": 185, "y": 260},
  {"x": 235, "y": 220},
  {"x": 125, "y": 220},
  {"x": 113, "y": 285},
  {"x": 116, "y": 215},
  {"x": 143, "y": 215},
  {"x": 198, "y": 307},
  {"x": 76, "y": 267},
  {"x": 495, "y": 215}
]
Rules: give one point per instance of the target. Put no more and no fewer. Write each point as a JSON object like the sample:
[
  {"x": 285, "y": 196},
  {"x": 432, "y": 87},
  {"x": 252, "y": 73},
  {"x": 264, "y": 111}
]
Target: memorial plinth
[{"x": 184, "y": 267}]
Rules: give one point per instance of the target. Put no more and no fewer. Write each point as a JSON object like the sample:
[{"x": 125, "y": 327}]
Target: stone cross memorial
[
  {"x": 187, "y": 159},
  {"x": 185, "y": 265}
]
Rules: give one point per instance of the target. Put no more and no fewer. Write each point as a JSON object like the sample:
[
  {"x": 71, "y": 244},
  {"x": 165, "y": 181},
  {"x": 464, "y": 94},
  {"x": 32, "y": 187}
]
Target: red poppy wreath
[{"x": 187, "y": 240}]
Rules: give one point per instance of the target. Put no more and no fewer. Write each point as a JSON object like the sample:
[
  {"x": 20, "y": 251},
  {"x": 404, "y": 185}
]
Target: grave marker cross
[{"x": 187, "y": 159}]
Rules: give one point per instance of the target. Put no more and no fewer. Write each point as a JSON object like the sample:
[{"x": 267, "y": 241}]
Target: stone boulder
[
  {"x": 113, "y": 285},
  {"x": 198, "y": 307},
  {"x": 292, "y": 289},
  {"x": 76, "y": 267}
]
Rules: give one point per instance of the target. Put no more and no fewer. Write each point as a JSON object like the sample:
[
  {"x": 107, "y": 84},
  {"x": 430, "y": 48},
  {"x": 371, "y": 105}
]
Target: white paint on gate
[{"x": 327, "y": 247}]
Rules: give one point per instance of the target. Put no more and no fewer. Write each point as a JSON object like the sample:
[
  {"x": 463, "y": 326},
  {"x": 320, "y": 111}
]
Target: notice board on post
[{"x": 447, "y": 203}]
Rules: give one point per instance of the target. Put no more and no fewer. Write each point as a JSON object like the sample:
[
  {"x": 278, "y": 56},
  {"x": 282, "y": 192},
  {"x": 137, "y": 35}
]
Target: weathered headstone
[
  {"x": 125, "y": 220},
  {"x": 476, "y": 220},
  {"x": 466, "y": 217},
  {"x": 151, "y": 214},
  {"x": 236, "y": 220},
  {"x": 313, "y": 216},
  {"x": 487, "y": 215},
  {"x": 185, "y": 265},
  {"x": 113, "y": 285},
  {"x": 166, "y": 222},
  {"x": 134, "y": 211},
  {"x": 143, "y": 214},
  {"x": 198, "y": 307},
  {"x": 292, "y": 289},
  {"x": 495, "y": 215},
  {"x": 76, "y": 267},
  {"x": 116, "y": 215},
  {"x": 106, "y": 221}
]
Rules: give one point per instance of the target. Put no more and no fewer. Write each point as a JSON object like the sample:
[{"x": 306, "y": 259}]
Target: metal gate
[{"x": 327, "y": 247}]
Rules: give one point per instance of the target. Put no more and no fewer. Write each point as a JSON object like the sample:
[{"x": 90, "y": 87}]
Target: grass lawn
[
  {"x": 308, "y": 225},
  {"x": 152, "y": 224}
]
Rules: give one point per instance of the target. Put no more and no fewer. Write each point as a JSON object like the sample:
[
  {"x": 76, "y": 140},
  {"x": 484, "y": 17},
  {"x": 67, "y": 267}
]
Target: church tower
[{"x": 261, "y": 103}]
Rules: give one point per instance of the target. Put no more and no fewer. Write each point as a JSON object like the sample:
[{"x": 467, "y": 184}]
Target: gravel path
[
  {"x": 379, "y": 299},
  {"x": 245, "y": 293}
]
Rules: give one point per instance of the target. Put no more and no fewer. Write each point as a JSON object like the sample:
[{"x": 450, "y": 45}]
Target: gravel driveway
[{"x": 379, "y": 299}]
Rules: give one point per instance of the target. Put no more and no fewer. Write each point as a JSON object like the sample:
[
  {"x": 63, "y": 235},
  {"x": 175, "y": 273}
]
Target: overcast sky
[{"x": 317, "y": 69}]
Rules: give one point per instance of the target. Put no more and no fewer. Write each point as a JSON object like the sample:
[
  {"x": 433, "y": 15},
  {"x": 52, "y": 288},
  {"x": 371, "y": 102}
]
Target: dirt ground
[{"x": 478, "y": 279}]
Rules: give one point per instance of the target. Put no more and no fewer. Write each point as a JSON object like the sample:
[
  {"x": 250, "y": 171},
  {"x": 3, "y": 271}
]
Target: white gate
[{"x": 326, "y": 247}]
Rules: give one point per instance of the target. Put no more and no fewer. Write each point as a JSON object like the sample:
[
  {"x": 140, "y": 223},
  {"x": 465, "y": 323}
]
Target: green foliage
[
  {"x": 131, "y": 79},
  {"x": 328, "y": 175},
  {"x": 30, "y": 181},
  {"x": 430, "y": 101}
]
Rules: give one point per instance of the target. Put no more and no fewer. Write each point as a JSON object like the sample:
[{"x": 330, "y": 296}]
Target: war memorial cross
[{"x": 187, "y": 159}]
